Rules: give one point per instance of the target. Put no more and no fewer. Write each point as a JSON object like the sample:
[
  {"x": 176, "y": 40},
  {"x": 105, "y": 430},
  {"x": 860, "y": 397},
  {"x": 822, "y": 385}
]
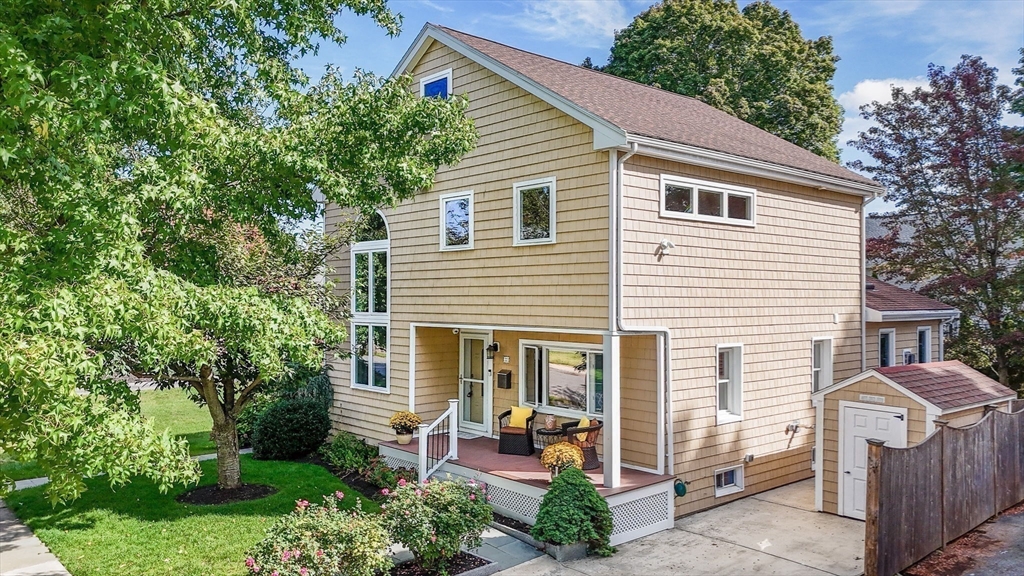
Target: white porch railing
[{"x": 439, "y": 441}]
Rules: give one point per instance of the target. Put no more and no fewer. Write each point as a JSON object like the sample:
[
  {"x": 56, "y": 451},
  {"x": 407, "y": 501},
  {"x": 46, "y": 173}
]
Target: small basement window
[
  {"x": 728, "y": 481},
  {"x": 437, "y": 85},
  {"x": 691, "y": 199}
]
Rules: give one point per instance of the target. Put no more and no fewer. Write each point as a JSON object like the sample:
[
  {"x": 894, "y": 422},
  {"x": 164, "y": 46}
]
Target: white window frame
[
  {"x": 892, "y": 346},
  {"x": 724, "y": 415},
  {"x": 927, "y": 356},
  {"x": 370, "y": 318},
  {"x": 725, "y": 189},
  {"x": 543, "y": 346},
  {"x": 517, "y": 207},
  {"x": 437, "y": 76},
  {"x": 387, "y": 361},
  {"x": 733, "y": 488},
  {"x": 825, "y": 378},
  {"x": 443, "y": 237}
]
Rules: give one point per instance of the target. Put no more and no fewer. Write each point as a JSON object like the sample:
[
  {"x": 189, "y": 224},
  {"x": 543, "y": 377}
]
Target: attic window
[
  {"x": 690, "y": 199},
  {"x": 437, "y": 85}
]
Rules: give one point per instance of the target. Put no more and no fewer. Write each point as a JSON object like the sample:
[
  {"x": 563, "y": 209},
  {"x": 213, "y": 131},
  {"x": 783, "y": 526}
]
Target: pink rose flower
[
  {"x": 401, "y": 482},
  {"x": 250, "y": 561},
  {"x": 319, "y": 553},
  {"x": 472, "y": 496},
  {"x": 256, "y": 569},
  {"x": 303, "y": 571},
  {"x": 433, "y": 538},
  {"x": 385, "y": 491},
  {"x": 286, "y": 555},
  {"x": 302, "y": 504},
  {"x": 339, "y": 494},
  {"x": 296, "y": 553}
]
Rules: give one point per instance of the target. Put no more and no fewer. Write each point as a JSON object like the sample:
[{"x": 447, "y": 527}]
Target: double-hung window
[
  {"x": 533, "y": 212},
  {"x": 563, "y": 379},
  {"x": 691, "y": 199},
  {"x": 437, "y": 85},
  {"x": 729, "y": 383},
  {"x": 821, "y": 364},
  {"x": 457, "y": 221},
  {"x": 924, "y": 344},
  {"x": 370, "y": 335},
  {"x": 886, "y": 347}
]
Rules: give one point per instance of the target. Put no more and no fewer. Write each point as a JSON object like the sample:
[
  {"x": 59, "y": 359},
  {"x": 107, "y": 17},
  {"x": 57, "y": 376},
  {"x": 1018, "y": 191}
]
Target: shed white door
[{"x": 859, "y": 424}]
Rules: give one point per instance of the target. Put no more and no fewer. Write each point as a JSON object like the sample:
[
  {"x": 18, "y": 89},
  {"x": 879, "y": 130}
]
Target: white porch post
[
  {"x": 453, "y": 429},
  {"x": 612, "y": 422},
  {"x": 422, "y": 451}
]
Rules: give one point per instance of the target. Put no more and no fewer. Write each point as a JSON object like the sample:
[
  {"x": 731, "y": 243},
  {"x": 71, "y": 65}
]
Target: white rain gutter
[{"x": 617, "y": 324}]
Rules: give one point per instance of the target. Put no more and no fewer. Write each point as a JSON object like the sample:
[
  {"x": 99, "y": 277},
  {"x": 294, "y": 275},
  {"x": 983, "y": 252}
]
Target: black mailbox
[{"x": 504, "y": 379}]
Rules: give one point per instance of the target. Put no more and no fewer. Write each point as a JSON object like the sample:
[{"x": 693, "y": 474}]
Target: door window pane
[
  {"x": 679, "y": 199},
  {"x": 567, "y": 379},
  {"x": 473, "y": 359},
  {"x": 361, "y": 294},
  {"x": 739, "y": 207},
  {"x": 535, "y": 213},
  {"x": 380, "y": 281},
  {"x": 530, "y": 374},
  {"x": 709, "y": 203}
]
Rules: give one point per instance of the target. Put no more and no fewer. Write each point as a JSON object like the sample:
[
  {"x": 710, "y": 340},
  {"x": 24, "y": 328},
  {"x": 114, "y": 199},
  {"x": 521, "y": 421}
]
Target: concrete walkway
[
  {"x": 777, "y": 532},
  {"x": 498, "y": 547},
  {"x": 21, "y": 553}
]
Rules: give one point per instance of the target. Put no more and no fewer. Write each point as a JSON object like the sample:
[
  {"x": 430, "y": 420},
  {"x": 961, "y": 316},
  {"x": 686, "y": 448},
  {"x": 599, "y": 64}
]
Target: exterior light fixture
[{"x": 491, "y": 350}]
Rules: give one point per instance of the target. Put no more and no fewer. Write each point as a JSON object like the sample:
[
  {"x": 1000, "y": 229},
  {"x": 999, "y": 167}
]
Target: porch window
[
  {"x": 370, "y": 255},
  {"x": 457, "y": 221},
  {"x": 437, "y": 85},
  {"x": 691, "y": 199},
  {"x": 924, "y": 344},
  {"x": 566, "y": 380},
  {"x": 534, "y": 212},
  {"x": 821, "y": 364},
  {"x": 886, "y": 347},
  {"x": 728, "y": 481},
  {"x": 729, "y": 383}
]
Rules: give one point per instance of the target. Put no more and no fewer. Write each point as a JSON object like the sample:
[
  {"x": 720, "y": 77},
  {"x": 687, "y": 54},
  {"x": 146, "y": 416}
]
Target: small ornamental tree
[{"x": 572, "y": 511}]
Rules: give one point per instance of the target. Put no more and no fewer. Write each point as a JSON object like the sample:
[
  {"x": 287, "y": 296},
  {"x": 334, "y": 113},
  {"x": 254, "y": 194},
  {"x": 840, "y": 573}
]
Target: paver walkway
[{"x": 21, "y": 553}]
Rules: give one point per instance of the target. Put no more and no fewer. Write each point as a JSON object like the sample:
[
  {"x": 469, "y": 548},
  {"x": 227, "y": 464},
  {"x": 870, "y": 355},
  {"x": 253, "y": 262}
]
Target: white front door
[
  {"x": 474, "y": 372},
  {"x": 860, "y": 423}
]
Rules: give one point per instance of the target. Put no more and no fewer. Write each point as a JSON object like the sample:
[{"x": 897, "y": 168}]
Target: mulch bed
[
  {"x": 464, "y": 562},
  {"x": 208, "y": 495},
  {"x": 512, "y": 523},
  {"x": 351, "y": 478},
  {"x": 959, "y": 555}
]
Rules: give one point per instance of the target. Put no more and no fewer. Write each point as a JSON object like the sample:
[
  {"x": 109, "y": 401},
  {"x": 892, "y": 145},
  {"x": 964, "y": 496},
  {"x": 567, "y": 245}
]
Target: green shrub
[
  {"x": 250, "y": 414},
  {"x": 435, "y": 519},
  {"x": 381, "y": 475},
  {"x": 572, "y": 511},
  {"x": 290, "y": 428},
  {"x": 322, "y": 540},
  {"x": 348, "y": 453}
]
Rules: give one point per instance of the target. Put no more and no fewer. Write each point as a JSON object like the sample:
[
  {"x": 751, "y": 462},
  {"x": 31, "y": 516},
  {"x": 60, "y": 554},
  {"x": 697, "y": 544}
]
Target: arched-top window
[{"x": 371, "y": 295}]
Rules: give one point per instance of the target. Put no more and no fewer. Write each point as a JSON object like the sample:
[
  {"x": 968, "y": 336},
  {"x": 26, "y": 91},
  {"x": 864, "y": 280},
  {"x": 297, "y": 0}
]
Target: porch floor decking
[{"x": 481, "y": 454}]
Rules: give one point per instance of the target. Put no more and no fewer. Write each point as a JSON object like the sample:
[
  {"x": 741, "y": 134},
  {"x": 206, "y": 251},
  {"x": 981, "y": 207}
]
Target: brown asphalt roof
[
  {"x": 885, "y": 297},
  {"x": 947, "y": 384},
  {"x": 642, "y": 110}
]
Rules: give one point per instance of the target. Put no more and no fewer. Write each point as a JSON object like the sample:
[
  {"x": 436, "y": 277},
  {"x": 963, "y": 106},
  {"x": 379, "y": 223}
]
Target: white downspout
[
  {"x": 863, "y": 285},
  {"x": 618, "y": 325}
]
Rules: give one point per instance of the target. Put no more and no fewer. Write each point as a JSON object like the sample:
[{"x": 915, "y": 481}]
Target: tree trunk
[
  {"x": 1003, "y": 366},
  {"x": 225, "y": 434}
]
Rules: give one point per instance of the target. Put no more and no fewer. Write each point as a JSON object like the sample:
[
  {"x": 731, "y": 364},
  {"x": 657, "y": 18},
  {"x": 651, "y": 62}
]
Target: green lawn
[
  {"x": 170, "y": 409},
  {"x": 136, "y": 530}
]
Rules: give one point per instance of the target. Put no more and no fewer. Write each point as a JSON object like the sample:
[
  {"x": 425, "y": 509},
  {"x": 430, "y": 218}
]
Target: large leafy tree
[
  {"x": 956, "y": 173},
  {"x": 155, "y": 157},
  {"x": 754, "y": 64}
]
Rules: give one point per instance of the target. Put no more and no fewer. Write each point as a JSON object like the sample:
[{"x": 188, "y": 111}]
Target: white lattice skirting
[{"x": 635, "y": 513}]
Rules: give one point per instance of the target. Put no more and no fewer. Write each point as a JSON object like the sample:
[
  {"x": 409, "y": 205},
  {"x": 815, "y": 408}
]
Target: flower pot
[
  {"x": 403, "y": 438},
  {"x": 567, "y": 552},
  {"x": 554, "y": 474}
]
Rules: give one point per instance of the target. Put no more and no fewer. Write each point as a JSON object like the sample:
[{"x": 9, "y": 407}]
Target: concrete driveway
[{"x": 777, "y": 532}]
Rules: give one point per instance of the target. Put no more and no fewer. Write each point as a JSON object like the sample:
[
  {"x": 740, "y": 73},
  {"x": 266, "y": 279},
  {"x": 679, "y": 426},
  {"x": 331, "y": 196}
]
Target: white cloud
[
  {"x": 588, "y": 23},
  {"x": 436, "y": 6}
]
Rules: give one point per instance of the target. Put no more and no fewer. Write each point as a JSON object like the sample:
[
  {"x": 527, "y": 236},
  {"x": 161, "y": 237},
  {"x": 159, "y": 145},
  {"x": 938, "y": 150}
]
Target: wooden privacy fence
[{"x": 922, "y": 497}]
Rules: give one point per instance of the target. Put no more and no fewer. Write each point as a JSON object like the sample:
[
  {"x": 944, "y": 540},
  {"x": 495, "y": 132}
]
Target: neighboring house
[
  {"x": 904, "y": 327},
  {"x": 615, "y": 251}
]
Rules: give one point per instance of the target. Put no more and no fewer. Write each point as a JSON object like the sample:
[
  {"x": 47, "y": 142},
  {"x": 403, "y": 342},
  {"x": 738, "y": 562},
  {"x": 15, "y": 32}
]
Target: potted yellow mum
[
  {"x": 403, "y": 423},
  {"x": 558, "y": 457}
]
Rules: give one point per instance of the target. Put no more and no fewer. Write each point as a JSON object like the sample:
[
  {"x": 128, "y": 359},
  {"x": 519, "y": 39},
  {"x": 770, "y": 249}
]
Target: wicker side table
[{"x": 547, "y": 437}]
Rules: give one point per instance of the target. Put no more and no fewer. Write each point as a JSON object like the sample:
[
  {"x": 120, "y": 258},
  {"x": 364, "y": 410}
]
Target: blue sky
[{"x": 880, "y": 42}]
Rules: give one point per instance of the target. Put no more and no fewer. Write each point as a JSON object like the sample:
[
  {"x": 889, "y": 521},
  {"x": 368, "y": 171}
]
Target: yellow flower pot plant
[
  {"x": 403, "y": 423},
  {"x": 558, "y": 457}
]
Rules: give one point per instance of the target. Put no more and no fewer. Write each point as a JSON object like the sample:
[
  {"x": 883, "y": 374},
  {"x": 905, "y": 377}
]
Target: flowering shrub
[
  {"x": 381, "y": 475},
  {"x": 558, "y": 457},
  {"x": 434, "y": 519},
  {"x": 572, "y": 511},
  {"x": 404, "y": 422},
  {"x": 322, "y": 540}
]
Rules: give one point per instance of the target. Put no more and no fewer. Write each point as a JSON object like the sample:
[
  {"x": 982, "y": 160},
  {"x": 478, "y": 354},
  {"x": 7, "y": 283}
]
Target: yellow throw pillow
[
  {"x": 519, "y": 416},
  {"x": 584, "y": 422}
]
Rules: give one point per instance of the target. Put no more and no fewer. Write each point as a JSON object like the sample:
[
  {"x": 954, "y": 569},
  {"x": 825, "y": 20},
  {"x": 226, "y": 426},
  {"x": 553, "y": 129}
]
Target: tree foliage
[
  {"x": 956, "y": 175},
  {"x": 156, "y": 158},
  {"x": 754, "y": 64}
]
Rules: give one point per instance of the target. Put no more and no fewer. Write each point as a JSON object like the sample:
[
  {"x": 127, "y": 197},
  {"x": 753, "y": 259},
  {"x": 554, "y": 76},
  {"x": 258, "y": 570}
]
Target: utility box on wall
[{"x": 504, "y": 379}]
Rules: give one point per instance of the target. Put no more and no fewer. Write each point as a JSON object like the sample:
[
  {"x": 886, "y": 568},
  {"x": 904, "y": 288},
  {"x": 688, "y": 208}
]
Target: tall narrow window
[
  {"x": 370, "y": 305},
  {"x": 457, "y": 221},
  {"x": 821, "y": 364},
  {"x": 729, "y": 381},
  {"x": 886, "y": 347},
  {"x": 534, "y": 212},
  {"x": 924, "y": 344},
  {"x": 531, "y": 374}
]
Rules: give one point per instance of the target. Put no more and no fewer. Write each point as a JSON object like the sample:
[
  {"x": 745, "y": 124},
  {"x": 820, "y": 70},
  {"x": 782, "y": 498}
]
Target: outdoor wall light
[
  {"x": 491, "y": 350},
  {"x": 665, "y": 247}
]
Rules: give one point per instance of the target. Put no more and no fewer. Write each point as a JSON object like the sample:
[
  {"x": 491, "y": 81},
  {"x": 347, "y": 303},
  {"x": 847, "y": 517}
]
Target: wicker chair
[
  {"x": 589, "y": 445},
  {"x": 513, "y": 440}
]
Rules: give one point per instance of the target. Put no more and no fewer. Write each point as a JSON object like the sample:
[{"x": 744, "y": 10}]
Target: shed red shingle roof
[
  {"x": 888, "y": 298},
  {"x": 646, "y": 111},
  {"x": 947, "y": 385}
]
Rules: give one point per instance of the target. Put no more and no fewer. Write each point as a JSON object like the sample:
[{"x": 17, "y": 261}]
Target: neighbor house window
[
  {"x": 691, "y": 199},
  {"x": 370, "y": 298},
  {"x": 821, "y": 364},
  {"x": 437, "y": 85},
  {"x": 728, "y": 481},
  {"x": 562, "y": 379},
  {"x": 457, "y": 221},
  {"x": 729, "y": 383},
  {"x": 886, "y": 347},
  {"x": 924, "y": 344},
  {"x": 534, "y": 212}
]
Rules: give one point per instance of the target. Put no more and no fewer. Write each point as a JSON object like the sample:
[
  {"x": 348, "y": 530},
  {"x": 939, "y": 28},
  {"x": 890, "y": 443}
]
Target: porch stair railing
[{"x": 439, "y": 441}]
